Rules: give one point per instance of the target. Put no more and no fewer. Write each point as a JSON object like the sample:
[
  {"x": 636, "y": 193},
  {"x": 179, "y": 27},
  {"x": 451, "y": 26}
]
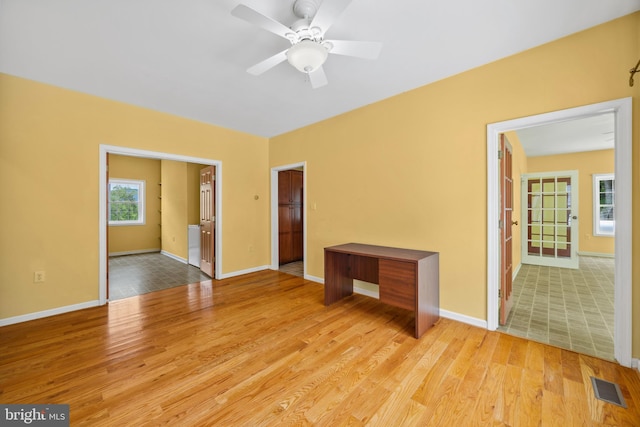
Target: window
[
  {"x": 126, "y": 202},
  {"x": 604, "y": 205}
]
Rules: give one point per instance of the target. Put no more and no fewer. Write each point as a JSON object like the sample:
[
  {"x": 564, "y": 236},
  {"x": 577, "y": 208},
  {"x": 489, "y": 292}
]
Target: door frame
[
  {"x": 575, "y": 230},
  {"x": 275, "y": 264},
  {"x": 102, "y": 190},
  {"x": 622, "y": 108}
]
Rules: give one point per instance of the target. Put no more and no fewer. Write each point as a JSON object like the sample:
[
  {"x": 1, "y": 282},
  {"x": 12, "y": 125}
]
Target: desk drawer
[{"x": 397, "y": 280}]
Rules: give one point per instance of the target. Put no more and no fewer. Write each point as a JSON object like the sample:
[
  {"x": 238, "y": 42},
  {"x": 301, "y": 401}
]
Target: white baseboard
[
  {"x": 48, "y": 313},
  {"x": 597, "y": 254},
  {"x": 247, "y": 271},
  {"x": 176, "y": 257},
  {"x": 141, "y": 251},
  {"x": 635, "y": 364},
  {"x": 473, "y": 321},
  {"x": 314, "y": 279},
  {"x": 516, "y": 271}
]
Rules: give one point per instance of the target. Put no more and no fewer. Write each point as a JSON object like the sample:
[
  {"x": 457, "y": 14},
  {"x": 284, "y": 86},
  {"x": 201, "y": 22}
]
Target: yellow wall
[
  {"x": 193, "y": 193},
  {"x": 49, "y": 152},
  {"x": 587, "y": 164},
  {"x": 174, "y": 208},
  {"x": 136, "y": 238},
  {"x": 410, "y": 171}
]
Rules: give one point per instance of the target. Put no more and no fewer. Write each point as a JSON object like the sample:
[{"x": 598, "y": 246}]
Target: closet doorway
[{"x": 288, "y": 207}]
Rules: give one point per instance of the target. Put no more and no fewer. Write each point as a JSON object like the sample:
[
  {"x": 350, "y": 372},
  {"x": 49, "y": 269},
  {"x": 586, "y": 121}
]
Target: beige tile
[{"x": 572, "y": 309}]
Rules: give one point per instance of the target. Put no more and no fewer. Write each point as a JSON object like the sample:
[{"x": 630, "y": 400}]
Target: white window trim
[
  {"x": 141, "y": 201},
  {"x": 596, "y": 203}
]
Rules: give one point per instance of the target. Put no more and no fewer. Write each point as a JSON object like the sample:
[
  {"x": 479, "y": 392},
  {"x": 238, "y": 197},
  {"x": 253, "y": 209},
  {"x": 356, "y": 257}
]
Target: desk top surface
[{"x": 381, "y": 251}]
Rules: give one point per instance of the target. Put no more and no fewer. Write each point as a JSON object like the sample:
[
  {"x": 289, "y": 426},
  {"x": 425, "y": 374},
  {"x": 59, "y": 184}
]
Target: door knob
[{"x": 574, "y": 217}]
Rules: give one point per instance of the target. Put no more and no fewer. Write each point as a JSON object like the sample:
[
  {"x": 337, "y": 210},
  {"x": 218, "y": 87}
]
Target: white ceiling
[
  {"x": 189, "y": 57},
  {"x": 572, "y": 136}
]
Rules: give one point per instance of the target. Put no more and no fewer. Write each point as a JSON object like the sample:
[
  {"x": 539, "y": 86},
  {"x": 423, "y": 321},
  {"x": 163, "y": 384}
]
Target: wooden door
[
  {"x": 207, "y": 220},
  {"x": 290, "y": 227},
  {"x": 107, "y": 233},
  {"x": 506, "y": 223},
  {"x": 297, "y": 237},
  {"x": 285, "y": 242}
]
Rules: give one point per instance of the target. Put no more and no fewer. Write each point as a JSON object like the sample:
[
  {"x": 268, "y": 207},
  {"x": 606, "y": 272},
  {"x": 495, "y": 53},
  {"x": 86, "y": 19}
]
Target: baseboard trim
[
  {"x": 176, "y": 257},
  {"x": 366, "y": 292},
  {"x": 141, "y": 251},
  {"x": 48, "y": 313},
  {"x": 597, "y": 254},
  {"x": 314, "y": 279},
  {"x": 247, "y": 271},
  {"x": 516, "y": 271},
  {"x": 463, "y": 318}
]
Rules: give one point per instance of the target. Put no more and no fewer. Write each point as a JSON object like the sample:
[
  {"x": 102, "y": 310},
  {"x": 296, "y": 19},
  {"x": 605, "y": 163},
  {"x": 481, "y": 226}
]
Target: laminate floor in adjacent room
[
  {"x": 131, "y": 275},
  {"x": 572, "y": 309}
]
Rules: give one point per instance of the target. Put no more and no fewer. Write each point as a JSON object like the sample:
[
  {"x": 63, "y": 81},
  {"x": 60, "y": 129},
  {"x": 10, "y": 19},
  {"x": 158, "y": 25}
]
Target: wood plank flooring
[{"x": 262, "y": 349}]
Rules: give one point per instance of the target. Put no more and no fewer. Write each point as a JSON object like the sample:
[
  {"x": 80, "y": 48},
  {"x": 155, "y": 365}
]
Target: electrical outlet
[{"x": 38, "y": 276}]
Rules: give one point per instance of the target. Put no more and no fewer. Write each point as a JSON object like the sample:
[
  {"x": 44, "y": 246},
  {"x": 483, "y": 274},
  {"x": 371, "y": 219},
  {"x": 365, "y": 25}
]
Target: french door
[{"x": 550, "y": 210}]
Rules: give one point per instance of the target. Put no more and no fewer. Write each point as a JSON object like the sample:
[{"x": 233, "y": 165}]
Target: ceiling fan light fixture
[{"x": 307, "y": 56}]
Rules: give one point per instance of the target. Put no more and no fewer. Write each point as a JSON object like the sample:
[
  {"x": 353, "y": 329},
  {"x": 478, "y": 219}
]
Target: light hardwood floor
[{"x": 262, "y": 349}]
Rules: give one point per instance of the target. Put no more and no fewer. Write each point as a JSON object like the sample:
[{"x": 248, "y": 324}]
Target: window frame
[
  {"x": 597, "y": 228},
  {"x": 141, "y": 184}
]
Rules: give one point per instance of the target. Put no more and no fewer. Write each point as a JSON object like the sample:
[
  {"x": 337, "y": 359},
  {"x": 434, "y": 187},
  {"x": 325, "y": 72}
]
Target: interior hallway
[{"x": 571, "y": 309}]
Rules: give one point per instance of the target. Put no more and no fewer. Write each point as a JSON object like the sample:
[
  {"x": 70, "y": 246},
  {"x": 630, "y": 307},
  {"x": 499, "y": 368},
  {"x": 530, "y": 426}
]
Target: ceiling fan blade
[
  {"x": 268, "y": 63},
  {"x": 318, "y": 78},
  {"x": 365, "y": 50},
  {"x": 256, "y": 18},
  {"x": 327, "y": 13}
]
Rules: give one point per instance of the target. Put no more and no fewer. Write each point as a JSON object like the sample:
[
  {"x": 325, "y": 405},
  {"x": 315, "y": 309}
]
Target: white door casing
[{"x": 622, "y": 108}]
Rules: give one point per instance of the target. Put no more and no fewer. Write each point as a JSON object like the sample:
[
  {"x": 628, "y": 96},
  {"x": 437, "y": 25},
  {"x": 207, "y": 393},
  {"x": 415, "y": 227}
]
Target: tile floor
[
  {"x": 131, "y": 275},
  {"x": 572, "y": 309},
  {"x": 296, "y": 268}
]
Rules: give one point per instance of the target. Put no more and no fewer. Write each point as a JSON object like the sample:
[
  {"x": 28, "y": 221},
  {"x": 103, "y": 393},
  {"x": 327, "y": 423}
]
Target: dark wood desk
[{"x": 407, "y": 278}]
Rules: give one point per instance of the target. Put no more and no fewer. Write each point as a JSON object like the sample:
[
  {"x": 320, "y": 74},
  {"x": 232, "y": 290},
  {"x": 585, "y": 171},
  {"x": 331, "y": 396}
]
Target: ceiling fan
[{"x": 309, "y": 49}]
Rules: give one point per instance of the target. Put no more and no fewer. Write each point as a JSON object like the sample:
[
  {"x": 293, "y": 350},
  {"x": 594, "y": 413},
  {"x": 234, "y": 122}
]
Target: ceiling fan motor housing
[
  {"x": 303, "y": 32},
  {"x": 305, "y": 9}
]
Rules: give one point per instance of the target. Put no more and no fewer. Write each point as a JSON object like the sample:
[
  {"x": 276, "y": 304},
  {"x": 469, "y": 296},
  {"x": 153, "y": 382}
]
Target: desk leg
[
  {"x": 337, "y": 280},
  {"x": 428, "y": 294}
]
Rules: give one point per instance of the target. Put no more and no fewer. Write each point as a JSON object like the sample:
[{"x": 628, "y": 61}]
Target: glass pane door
[{"x": 549, "y": 229}]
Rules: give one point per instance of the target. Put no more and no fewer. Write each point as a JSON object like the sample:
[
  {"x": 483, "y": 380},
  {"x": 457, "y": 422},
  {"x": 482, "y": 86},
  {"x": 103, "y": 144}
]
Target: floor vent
[{"x": 607, "y": 391}]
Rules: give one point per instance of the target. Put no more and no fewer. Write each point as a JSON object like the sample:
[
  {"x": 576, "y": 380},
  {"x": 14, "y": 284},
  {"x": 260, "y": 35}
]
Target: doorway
[
  {"x": 103, "y": 250},
  {"x": 290, "y": 233},
  {"x": 622, "y": 288}
]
